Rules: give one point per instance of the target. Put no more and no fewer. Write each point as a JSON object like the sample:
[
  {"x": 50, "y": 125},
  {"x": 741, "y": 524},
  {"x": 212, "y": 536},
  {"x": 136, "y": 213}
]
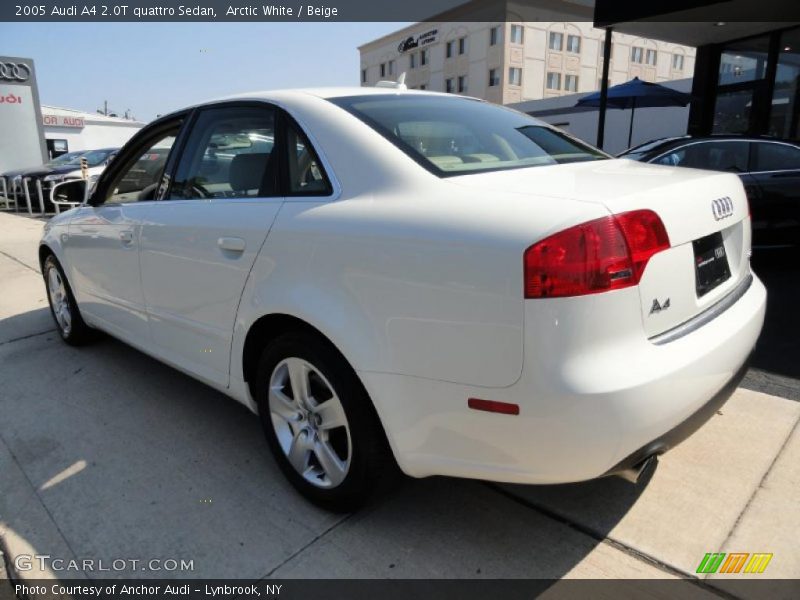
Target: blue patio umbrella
[{"x": 637, "y": 94}]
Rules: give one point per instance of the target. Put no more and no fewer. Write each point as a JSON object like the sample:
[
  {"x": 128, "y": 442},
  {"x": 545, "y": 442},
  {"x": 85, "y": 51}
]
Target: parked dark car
[
  {"x": 67, "y": 166},
  {"x": 769, "y": 168}
]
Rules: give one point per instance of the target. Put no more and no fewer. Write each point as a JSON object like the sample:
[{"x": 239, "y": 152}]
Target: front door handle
[
  {"x": 232, "y": 244},
  {"x": 126, "y": 237}
]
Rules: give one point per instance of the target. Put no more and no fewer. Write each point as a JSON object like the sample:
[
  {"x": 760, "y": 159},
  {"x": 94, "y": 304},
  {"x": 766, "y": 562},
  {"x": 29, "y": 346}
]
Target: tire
[
  {"x": 337, "y": 455},
  {"x": 63, "y": 307}
]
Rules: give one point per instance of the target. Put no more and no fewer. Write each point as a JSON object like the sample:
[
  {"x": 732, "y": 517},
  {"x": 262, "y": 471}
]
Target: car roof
[
  {"x": 326, "y": 93},
  {"x": 338, "y": 92},
  {"x": 659, "y": 145}
]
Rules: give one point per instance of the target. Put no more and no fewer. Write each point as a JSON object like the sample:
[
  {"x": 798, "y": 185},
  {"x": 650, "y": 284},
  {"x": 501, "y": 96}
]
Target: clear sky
[{"x": 153, "y": 68}]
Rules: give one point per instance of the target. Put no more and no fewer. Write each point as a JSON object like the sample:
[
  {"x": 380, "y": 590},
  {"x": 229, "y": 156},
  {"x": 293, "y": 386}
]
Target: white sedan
[{"x": 416, "y": 279}]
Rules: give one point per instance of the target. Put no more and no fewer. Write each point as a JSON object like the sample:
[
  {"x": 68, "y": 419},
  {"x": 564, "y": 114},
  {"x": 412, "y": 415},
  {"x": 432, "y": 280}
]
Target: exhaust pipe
[{"x": 636, "y": 472}]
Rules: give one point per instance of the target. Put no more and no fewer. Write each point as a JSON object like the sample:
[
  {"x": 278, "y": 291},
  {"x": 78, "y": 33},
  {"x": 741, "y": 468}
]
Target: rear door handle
[
  {"x": 126, "y": 237},
  {"x": 232, "y": 244}
]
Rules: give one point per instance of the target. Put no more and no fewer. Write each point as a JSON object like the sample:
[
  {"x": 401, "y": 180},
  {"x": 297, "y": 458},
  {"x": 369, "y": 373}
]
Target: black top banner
[{"x": 602, "y": 12}]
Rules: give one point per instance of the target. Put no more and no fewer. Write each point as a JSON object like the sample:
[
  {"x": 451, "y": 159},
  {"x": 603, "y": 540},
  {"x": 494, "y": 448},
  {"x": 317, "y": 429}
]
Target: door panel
[
  {"x": 199, "y": 243},
  {"x": 195, "y": 259},
  {"x": 776, "y": 212},
  {"x": 102, "y": 251},
  {"x": 103, "y": 240}
]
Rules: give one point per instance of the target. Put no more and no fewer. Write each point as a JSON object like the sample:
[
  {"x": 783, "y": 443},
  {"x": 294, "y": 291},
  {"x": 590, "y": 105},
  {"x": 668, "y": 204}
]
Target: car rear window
[{"x": 456, "y": 136}]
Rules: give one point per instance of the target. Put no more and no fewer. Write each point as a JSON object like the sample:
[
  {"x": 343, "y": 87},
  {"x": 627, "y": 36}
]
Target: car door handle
[
  {"x": 126, "y": 237},
  {"x": 232, "y": 244}
]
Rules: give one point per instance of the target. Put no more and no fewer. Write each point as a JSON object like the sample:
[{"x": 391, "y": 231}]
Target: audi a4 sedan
[
  {"x": 395, "y": 278},
  {"x": 768, "y": 167}
]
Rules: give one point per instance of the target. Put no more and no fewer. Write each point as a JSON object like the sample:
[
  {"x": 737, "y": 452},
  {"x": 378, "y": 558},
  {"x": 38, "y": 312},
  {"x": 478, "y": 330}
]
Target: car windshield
[
  {"x": 93, "y": 157},
  {"x": 454, "y": 136},
  {"x": 637, "y": 152},
  {"x": 64, "y": 159}
]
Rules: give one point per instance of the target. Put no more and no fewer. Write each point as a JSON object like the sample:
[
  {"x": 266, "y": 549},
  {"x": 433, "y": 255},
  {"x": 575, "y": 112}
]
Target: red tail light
[{"x": 605, "y": 254}]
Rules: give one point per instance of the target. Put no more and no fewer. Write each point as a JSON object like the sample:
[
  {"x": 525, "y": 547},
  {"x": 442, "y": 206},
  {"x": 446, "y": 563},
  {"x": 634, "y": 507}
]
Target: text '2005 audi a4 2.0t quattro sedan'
[{"x": 392, "y": 277}]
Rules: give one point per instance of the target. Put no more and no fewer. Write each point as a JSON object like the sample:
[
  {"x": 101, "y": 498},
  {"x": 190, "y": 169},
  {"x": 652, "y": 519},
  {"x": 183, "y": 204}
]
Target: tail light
[{"x": 605, "y": 254}]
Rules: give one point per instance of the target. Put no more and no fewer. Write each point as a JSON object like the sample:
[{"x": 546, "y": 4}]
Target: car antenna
[{"x": 400, "y": 84}]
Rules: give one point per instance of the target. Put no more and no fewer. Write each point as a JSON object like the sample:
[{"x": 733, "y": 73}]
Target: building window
[
  {"x": 515, "y": 76},
  {"x": 574, "y": 44},
  {"x": 448, "y": 49},
  {"x": 556, "y": 41},
  {"x": 383, "y": 69},
  {"x": 652, "y": 57},
  {"x": 462, "y": 84},
  {"x": 423, "y": 58},
  {"x": 462, "y": 45},
  {"x": 554, "y": 81},
  {"x": 448, "y": 85},
  {"x": 412, "y": 61},
  {"x": 363, "y": 76},
  {"x": 571, "y": 83},
  {"x": 391, "y": 67},
  {"x": 636, "y": 54},
  {"x": 494, "y": 78},
  {"x": 517, "y": 34},
  {"x": 677, "y": 62},
  {"x": 494, "y": 35}
]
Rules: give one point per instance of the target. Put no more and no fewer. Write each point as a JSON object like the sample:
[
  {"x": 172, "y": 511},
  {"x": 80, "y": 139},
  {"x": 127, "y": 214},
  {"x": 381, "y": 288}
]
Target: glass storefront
[
  {"x": 786, "y": 95},
  {"x": 758, "y": 86}
]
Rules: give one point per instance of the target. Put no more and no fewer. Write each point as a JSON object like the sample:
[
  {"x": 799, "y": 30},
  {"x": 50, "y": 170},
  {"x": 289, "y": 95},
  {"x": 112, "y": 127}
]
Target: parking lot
[{"x": 108, "y": 454}]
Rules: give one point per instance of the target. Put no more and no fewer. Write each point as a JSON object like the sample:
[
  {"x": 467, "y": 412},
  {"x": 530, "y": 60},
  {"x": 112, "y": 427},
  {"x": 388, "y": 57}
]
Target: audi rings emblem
[
  {"x": 722, "y": 208},
  {"x": 14, "y": 71}
]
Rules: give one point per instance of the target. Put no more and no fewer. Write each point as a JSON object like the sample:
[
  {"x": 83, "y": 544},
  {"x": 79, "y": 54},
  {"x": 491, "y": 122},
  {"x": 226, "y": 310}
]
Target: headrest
[{"x": 247, "y": 171}]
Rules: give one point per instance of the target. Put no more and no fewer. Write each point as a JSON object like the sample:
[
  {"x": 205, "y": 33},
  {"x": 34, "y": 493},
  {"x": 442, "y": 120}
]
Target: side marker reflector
[{"x": 504, "y": 408}]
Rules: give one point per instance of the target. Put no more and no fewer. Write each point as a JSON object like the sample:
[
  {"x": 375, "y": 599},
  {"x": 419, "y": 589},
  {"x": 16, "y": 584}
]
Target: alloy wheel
[
  {"x": 59, "y": 301},
  {"x": 310, "y": 423}
]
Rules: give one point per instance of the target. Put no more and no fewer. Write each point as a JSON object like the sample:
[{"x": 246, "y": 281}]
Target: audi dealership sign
[
  {"x": 21, "y": 133},
  {"x": 14, "y": 71}
]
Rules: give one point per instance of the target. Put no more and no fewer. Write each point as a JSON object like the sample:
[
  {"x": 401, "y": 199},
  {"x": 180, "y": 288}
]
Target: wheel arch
[
  {"x": 44, "y": 252},
  {"x": 270, "y": 326}
]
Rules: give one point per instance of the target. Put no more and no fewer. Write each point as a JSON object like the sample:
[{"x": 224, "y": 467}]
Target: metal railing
[{"x": 19, "y": 189}]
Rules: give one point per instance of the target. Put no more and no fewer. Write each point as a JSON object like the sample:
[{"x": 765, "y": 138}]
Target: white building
[
  {"x": 515, "y": 62},
  {"x": 68, "y": 130}
]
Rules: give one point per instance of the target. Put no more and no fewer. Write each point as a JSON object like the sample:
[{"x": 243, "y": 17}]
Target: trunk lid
[{"x": 705, "y": 214}]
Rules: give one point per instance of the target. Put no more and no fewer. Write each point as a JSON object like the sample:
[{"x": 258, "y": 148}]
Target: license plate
[{"x": 710, "y": 263}]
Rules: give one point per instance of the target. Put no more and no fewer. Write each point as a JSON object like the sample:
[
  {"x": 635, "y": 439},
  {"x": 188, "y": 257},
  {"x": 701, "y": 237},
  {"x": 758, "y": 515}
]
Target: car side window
[
  {"x": 229, "y": 154},
  {"x": 140, "y": 179},
  {"x": 729, "y": 156},
  {"x": 775, "y": 157},
  {"x": 307, "y": 176}
]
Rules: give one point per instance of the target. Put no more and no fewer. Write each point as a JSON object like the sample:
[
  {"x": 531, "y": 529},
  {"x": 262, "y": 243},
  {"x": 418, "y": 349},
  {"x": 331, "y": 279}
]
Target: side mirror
[{"x": 67, "y": 194}]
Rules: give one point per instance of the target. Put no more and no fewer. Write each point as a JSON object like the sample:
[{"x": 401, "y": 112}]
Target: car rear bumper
[{"x": 595, "y": 396}]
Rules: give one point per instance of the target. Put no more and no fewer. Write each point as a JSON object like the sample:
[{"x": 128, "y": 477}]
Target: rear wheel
[
  {"x": 63, "y": 307},
  {"x": 320, "y": 423}
]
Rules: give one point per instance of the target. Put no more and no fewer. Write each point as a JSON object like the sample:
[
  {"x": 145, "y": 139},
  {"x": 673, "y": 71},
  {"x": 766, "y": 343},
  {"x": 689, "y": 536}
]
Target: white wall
[{"x": 92, "y": 136}]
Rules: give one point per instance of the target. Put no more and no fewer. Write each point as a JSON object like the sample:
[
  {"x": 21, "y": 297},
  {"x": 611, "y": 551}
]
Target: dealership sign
[
  {"x": 14, "y": 71},
  {"x": 58, "y": 121},
  {"x": 21, "y": 129},
  {"x": 418, "y": 41}
]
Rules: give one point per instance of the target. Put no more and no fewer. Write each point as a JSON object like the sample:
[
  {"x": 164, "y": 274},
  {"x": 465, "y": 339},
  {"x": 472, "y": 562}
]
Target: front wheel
[
  {"x": 63, "y": 307},
  {"x": 320, "y": 423}
]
